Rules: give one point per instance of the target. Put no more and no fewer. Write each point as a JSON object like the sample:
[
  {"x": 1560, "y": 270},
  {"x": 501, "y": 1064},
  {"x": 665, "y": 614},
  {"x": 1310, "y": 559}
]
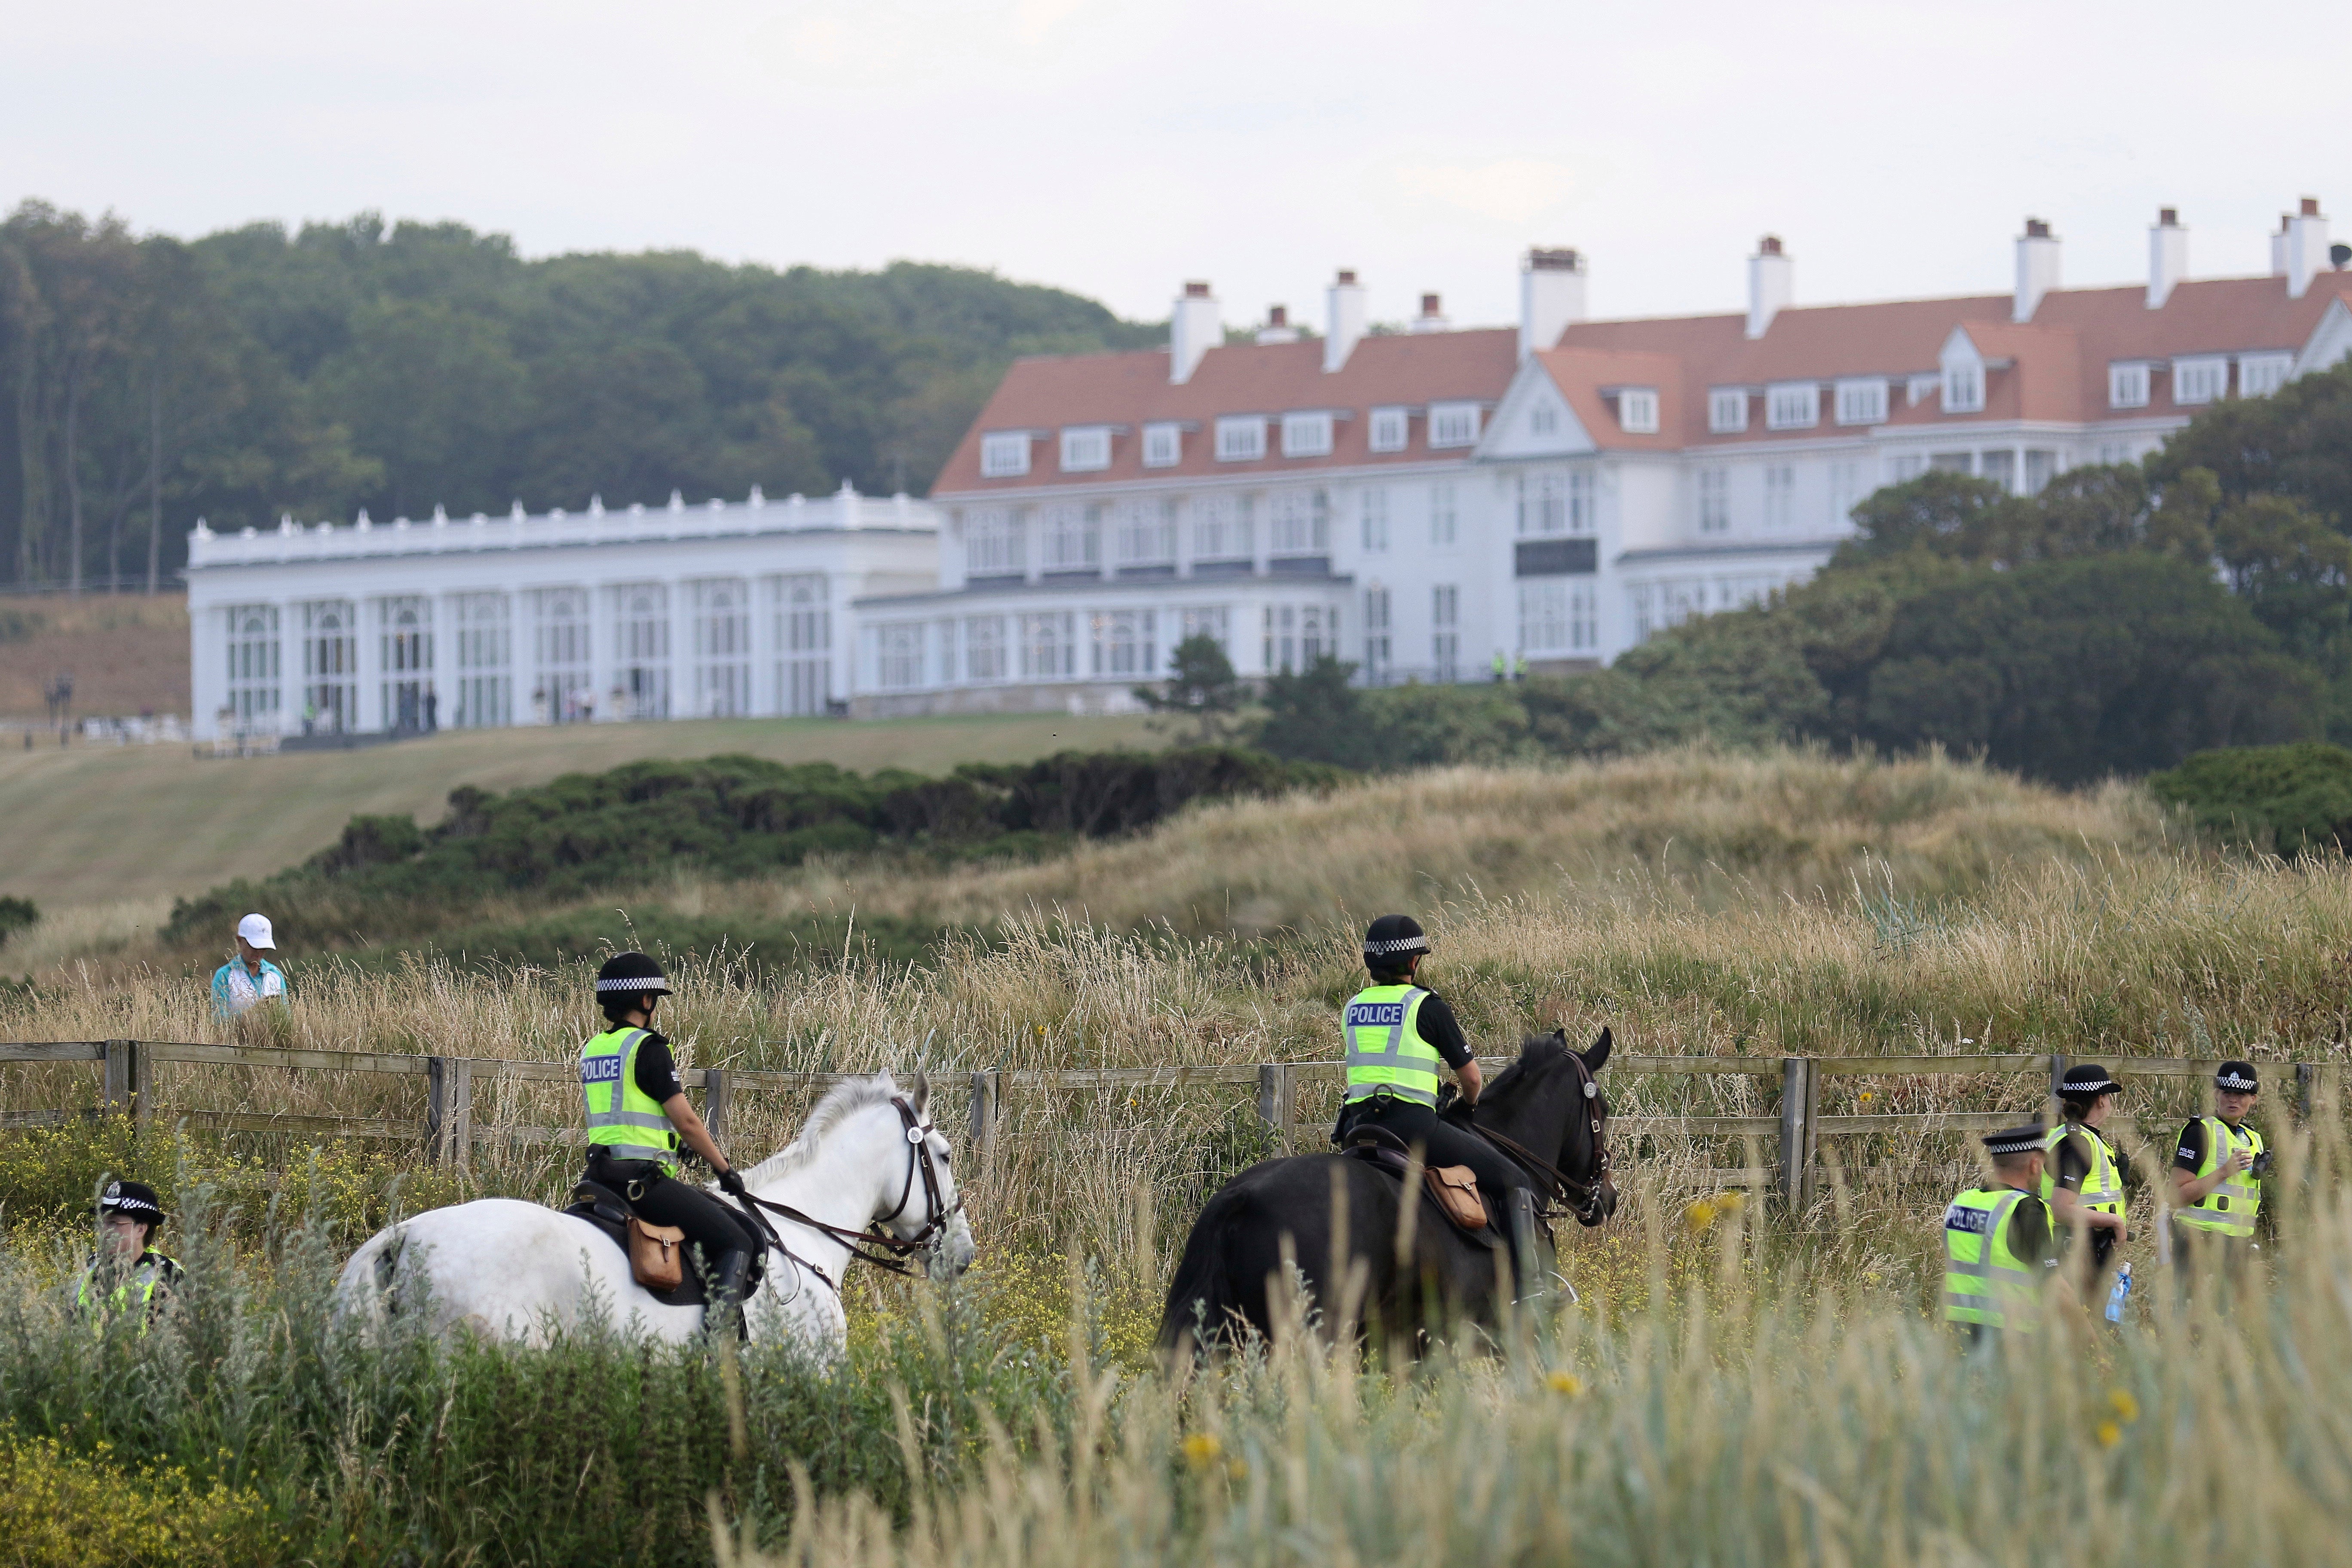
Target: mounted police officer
[
  {"x": 1997, "y": 1241},
  {"x": 638, "y": 1115},
  {"x": 1397, "y": 1033},
  {"x": 2082, "y": 1178},
  {"x": 127, "y": 1272},
  {"x": 2217, "y": 1178}
]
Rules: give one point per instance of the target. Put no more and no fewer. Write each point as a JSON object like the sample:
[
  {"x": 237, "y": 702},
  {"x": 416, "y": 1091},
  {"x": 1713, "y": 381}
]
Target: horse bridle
[
  {"x": 895, "y": 1249},
  {"x": 1563, "y": 1184}
]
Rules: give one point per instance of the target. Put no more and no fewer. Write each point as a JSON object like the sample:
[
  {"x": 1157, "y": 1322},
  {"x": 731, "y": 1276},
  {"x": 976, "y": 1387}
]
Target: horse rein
[
  {"x": 895, "y": 1249},
  {"x": 1563, "y": 1184}
]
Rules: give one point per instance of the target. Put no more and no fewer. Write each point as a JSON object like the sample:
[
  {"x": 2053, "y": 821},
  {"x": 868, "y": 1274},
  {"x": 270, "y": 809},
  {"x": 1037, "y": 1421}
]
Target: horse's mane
[
  {"x": 842, "y": 1102},
  {"x": 1537, "y": 1052}
]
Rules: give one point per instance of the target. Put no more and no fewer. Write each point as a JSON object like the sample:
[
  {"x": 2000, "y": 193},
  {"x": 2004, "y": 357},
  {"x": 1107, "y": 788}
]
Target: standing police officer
[
  {"x": 1396, "y": 1033},
  {"x": 126, "y": 1270},
  {"x": 2217, "y": 1178},
  {"x": 2082, "y": 1180},
  {"x": 638, "y": 1112},
  {"x": 1997, "y": 1241}
]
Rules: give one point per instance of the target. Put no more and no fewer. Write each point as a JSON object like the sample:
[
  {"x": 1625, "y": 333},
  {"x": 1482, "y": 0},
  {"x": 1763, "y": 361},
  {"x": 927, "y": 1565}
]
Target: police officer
[
  {"x": 1997, "y": 1241},
  {"x": 1396, "y": 1033},
  {"x": 637, "y": 1114},
  {"x": 126, "y": 1271},
  {"x": 2082, "y": 1178},
  {"x": 2217, "y": 1178}
]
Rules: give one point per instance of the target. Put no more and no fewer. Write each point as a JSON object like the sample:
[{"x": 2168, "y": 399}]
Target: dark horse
[{"x": 1547, "y": 1108}]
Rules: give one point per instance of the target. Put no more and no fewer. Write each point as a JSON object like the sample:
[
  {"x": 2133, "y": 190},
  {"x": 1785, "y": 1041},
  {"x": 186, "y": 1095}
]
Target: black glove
[{"x": 731, "y": 1181}]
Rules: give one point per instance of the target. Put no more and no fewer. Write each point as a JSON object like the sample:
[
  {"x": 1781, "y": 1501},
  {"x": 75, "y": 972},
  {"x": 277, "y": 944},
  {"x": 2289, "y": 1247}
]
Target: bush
[
  {"x": 2293, "y": 800},
  {"x": 71, "y": 1511},
  {"x": 16, "y": 915}
]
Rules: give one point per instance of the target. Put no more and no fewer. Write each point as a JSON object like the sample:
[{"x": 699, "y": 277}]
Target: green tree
[
  {"x": 1316, "y": 716},
  {"x": 2296, "y": 442},
  {"x": 1200, "y": 687}
]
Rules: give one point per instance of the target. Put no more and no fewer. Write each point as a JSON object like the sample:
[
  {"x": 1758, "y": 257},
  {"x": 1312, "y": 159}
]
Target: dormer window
[
  {"x": 2127, "y": 384},
  {"x": 1792, "y": 405},
  {"x": 1453, "y": 424},
  {"x": 1726, "y": 410},
  {"x": 2201, "y": 380},
  {"x": 1163, "y": 446},
  {"x": 1964, "y": 388},
  {"x": 1307, "y": 434},
  {"x": 1086, "y": 448},
  {"x": 1241, "y": 438},
  {"x": 1391, "y": 429},
  {"x": 1637, "y": 410},
  {"x": 2259, "y": 376},
  {"x": 1862, "y": 401},
  {"x": 1004, "y": 456}
]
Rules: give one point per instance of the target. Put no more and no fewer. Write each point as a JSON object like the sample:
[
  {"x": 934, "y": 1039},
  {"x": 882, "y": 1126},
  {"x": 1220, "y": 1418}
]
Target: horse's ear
[
  {"x": 1598, "y": 1056},
  {"x": 921, "y": 1094}
]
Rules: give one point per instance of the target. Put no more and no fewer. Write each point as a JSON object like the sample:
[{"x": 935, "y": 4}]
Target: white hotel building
[{"x": 1416, "y": 503}]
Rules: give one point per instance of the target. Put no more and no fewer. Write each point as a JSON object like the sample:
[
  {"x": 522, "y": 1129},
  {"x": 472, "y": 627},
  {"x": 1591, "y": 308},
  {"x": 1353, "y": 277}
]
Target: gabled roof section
[{"x": 1590, "y": 377}]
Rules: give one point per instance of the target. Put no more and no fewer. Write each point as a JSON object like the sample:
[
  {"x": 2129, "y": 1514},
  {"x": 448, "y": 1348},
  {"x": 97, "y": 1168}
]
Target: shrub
[
  {"x": 60, "y": 1509},
  {"x": 2292, "y": 799},
  {"x": 16, "y": 915}
]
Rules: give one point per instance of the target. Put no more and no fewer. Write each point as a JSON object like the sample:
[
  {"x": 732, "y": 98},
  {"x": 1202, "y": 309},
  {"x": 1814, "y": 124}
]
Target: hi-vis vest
[
  {"x": 1385, "y": 1050},
  {"x": 138, "y": 1286},
  {"x": 2103, "y": 1184},
  {"x": 2231, "y": 1207},
  {"x": 1984, "y": 1282},
  {"x": 623, "y": 1120}
]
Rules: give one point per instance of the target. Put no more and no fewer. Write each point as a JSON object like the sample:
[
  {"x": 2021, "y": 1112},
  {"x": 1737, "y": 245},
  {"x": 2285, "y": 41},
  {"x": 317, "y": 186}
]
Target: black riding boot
[
  {"x": 723, "y": 1312},
  {"x": 1529, "y": 1271}
]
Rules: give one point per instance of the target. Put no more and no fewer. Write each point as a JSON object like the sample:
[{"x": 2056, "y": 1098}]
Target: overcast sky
[{"x": 1118, "y": 149}]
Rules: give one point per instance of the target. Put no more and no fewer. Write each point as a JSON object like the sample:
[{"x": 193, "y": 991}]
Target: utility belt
[{"x": 630, "y": 1178}]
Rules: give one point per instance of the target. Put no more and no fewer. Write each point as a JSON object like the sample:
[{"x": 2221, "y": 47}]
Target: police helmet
[
  {"x": 1393, "y": 940},
  {"x": 131, "y": 1200},
  {"x": 2238, "y": 1076}
]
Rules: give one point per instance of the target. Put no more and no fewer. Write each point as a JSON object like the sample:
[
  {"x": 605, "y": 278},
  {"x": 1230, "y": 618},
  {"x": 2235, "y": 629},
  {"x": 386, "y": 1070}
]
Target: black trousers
[
  {"x": 1444, "y": 1143},
  {"x": 664, "y": 1200}
]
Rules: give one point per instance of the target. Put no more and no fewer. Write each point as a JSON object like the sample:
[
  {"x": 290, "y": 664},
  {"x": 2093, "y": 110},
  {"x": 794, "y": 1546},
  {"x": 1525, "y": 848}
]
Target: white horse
[{"x": 506, "y": 1269}]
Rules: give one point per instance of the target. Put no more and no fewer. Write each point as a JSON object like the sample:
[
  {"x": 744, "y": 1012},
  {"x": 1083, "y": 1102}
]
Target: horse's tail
[
  {"x": 367, "y": 1293},
  {"x": 1204, "y": 1304}
]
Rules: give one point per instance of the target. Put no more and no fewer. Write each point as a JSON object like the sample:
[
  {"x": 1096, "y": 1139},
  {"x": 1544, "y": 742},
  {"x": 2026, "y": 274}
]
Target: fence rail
[{"x": 447, "y": 1129}]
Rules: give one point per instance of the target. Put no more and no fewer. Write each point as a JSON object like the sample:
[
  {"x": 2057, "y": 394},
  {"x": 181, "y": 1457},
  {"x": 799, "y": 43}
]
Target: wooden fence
[{"x": 448, "y": 1132}]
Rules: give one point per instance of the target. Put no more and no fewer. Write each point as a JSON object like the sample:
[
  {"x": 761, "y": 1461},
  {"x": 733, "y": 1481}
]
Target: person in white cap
[{"x": 247, "y": 980}]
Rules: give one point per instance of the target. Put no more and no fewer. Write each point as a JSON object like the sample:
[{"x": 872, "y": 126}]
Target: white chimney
[
  {"x": 1194, "y": 327},
  {"x": 2306, "y": 247},
  {"x": 1551, "y": 298},
  {"x": 2168, "y": 256},
  {"x": 1433, "y": 316},
  {"x": 1771, "y": 284},
  {"x": 1343, "y": 317},
  {"x": 1278, "y": 328},
  {"x": 2037, "y": 268}
]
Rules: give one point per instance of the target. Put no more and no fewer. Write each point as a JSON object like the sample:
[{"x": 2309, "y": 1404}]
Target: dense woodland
[{"x": 257, "y": 372}]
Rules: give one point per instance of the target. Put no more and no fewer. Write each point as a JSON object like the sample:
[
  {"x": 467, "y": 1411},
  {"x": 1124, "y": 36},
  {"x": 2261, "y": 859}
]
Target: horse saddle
[
  {"x": 1452, "y": 1190},
  {"x": 609, "y": 1212}
]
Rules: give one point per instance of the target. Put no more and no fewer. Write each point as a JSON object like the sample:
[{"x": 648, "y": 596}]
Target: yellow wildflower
[
  {"x": 2109, "y": 1433},
  {"x": 1698, "y": 1215},
  {"x": 1566, "y": 1383},
  {"x": 2126, "y": 1406},
  {"x": 1202, "y": 1448}
]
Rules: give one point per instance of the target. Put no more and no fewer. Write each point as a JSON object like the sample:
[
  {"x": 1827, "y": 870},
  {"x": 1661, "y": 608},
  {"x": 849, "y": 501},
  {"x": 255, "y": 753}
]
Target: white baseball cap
[{"x": 254, "y": 929}]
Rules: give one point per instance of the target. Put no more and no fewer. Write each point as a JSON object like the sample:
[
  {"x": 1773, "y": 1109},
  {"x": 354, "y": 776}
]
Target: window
[
  {"x": 2259, "y": 376},
  {"x": 1862, "y": 402},
  {"x": 1376, "y": 631},
  {"x": 1792, "y": 405},
  {"x": 405, "y": 625},
  {"x": 1999, "y": 466},
  {"x": 804, "y": 643},
  {"x": 1953, "y": 463},
  {"x": 1726, "y": 410},
  {"x": 2112, "y": 453},
  {"x": 1147, "y": 533},
  {"x": 1557, "y": 616},
  {"x": 1543, "y": 419},
  {"x": 1125, "y": 643},
  {"x": 1211, "y": 621},
  {"x": 1964, "y": 389},
  {"x": 1714, "y": 500},
  {"x": 2127, "y": 385},
  {"x": 1392, "y": 428},
  {"x": 1049, "y": 645},
  {"x": 1086, "y": 448},
  {"x": 1298, "y": 522},
  {"x": 1307, "y": 434},
  {"x": 2040, "y": 466},
  {"x": 1298, "y": 635},
  {"x": 993, "y": 542},
  {"x": 722, "y": 648},
  {"x": 984, "y": 647},
  {"x": 1375, "y": 507},
  {"x": 1445, "y": 631},
  {"x": 1441, "y": 512},
  {"x": 565, "y": 691},
  {"x": 1163, "y": 446},
  {"x": 2200, "y": 380},
  {"x": 897, "y": 655},
  {"x": 1221, "y": 529},
  {"x": 331, "y": 663},
  {"x": 485, "y": 662},
  {"x": 1073, "y": 538},
  {"x": 1637, "y": 411},
  {"x": 252, "y": 668},
  {"x": 1847, "y": 486},
  {"x": 1241, "y": 440},
  {"x": 1779, "y": 495},
  {"x": 1452, "y": 424},
  {"x": 641, "y": 630},
  {"x": 1005, "y": 456},
  {"x": 943, "y": 647},
  {"x": 1909, "y": 466},
  {"x": 1556, "y": 502}
]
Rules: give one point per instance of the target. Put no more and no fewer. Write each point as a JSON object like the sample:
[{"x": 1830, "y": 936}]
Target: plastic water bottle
[{"x": 2119, "y": 1294}]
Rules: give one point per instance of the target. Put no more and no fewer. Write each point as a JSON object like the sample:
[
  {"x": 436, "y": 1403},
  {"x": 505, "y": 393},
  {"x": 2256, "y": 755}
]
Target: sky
[{"x": 1121, "y": 149}]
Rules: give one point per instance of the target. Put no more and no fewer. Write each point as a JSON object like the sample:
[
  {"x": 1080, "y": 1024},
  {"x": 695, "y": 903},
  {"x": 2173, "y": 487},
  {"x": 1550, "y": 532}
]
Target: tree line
[{"x": 262, "y": 371}]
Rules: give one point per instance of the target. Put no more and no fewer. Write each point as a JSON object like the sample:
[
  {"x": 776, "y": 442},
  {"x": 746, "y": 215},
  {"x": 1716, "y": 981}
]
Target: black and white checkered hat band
[
  {"x": 2089, "y": 1089},
  {"x": 2016, "y": 1141},
  {"x": 1398, "y": 944},
  {"x": 129, "y": 1203},
  {"x": 2232, "y": 1080},
  {"x": 643, "y": 982}
]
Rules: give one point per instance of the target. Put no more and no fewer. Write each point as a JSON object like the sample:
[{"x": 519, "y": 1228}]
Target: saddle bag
[
  {"x": 1455, "y": 1188},
  {"x": 657, "y": 1255}
]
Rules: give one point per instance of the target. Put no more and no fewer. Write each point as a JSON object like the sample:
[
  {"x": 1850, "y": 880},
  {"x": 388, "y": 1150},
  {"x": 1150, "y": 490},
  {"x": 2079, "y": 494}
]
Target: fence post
[
  {"x": 1800, "y": 1089},
  {"x": 114, "y": 1086},
  {"x": 143, "y": 1084},
  {"x": 1277, "y": 1100},
  {"x": 449, "y": 1109},
  {"x": 714, "y": 1101},
  {"x": 984, "y": 1116},
  {"x": 2050, "y": 1113}
]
